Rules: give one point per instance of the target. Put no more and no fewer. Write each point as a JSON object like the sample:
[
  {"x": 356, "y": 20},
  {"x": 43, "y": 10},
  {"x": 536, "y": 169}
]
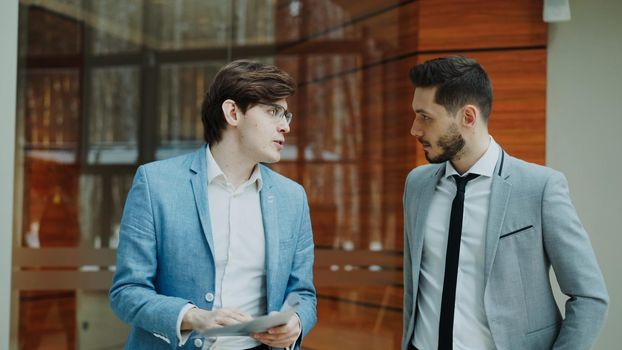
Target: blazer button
[
  {"x": 209, "y": 297},
  {"x": 198, "y": 342}
]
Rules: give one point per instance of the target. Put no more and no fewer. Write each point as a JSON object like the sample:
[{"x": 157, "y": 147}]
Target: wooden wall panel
[{"x": 469, "y": 24}]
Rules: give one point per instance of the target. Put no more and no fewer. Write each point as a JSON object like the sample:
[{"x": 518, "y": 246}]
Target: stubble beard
[{"x": 451, "y": 144}]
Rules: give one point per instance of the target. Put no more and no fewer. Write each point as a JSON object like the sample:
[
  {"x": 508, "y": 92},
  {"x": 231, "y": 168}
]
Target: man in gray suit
[{"x": 482, "y": 230}]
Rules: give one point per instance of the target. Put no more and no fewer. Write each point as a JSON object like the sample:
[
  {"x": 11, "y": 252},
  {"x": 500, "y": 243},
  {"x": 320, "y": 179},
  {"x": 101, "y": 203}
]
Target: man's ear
[
  {"x": 470, "y": 114},
  {"x": 231, "y": 112}
]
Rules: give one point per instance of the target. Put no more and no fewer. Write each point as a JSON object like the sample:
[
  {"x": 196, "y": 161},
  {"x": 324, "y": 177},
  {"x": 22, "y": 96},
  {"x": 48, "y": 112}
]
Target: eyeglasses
[{"x": 279, "y": 112}]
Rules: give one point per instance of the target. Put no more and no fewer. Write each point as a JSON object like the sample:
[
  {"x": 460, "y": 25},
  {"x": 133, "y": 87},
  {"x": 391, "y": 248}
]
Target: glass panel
[
  {"x": 114, "y": 110},
  {"x": 117, "y": 26},
  {"x": 120, "y": 186},
  {"x": 253, "y": 22},
  {"x": 52, "y": 114},
  {"x": 334, "y": 198},
  {"x": 147, "y": 66},
  {"x": 50, "y": 170},
  {"x": 191, "y": 24},
  {"x": 53, "y": 35},
  {"x": 181, "y": 91},
  {"x": 91, "y": 213},
  {"x": 334, "y": 108}
]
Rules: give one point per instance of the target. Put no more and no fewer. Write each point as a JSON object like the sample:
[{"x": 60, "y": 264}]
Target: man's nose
[
  {"x": 415, "y": 130},
  {"x": 284, "y": 126}
]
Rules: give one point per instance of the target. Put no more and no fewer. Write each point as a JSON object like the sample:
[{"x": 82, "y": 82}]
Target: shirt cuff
[
  {"x": 182, "y": 337},
  {"x": 291, "y": 347}
]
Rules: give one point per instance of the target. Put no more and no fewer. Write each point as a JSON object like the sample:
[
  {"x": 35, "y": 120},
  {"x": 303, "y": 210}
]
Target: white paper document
[{"x": 257, "y": 325}]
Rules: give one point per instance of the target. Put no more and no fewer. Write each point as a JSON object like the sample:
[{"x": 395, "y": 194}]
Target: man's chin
[
  {"x": 272, "y": 159},
  {"x": 434, "y": 160}
]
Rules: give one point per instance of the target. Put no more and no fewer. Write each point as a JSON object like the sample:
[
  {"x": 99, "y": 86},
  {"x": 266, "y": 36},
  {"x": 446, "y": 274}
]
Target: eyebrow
[{"x": 421, "y": 111}]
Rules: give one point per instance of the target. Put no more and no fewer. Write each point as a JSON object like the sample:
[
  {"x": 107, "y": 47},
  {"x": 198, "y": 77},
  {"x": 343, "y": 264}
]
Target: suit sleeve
[
  {"x": 301, "y": 277},
  {"x": 407, "y": 268},
  {"x": 133, "y": 296},
  {"x": 572, "y": 257}
]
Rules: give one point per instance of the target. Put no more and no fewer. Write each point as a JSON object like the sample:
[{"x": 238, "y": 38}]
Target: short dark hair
[
  {"x": 247, "y": 83},
  {"x": 459, "y": 81}
]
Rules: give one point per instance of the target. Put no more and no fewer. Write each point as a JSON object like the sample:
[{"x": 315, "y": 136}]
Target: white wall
[
  {"x": 584, "y": 133},
  {"x": 8, "y": 74}
]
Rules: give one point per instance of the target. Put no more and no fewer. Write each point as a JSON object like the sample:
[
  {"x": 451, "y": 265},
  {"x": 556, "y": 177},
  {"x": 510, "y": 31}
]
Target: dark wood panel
[
  {"x": 51, "y": 203},
  {"x": 44, "y": 314},
  {"x": 343, "y": 325},
  {"x": 464, "y": 24},
  {"x": 379, "y": 297},
  {"x": 328, "y": 257}
]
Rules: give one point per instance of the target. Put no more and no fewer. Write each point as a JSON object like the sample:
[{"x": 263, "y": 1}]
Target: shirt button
[
  {"x": 209, "y": 297},
  {"x": 198, "y": 343}
]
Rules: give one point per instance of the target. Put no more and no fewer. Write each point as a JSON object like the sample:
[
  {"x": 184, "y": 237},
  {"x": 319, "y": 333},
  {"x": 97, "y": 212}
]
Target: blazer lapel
[
  {"x": 199, "y": 188},
  {"x": 269, "y": 213},
  {"x": 421, "y": 208},
  {"x": 499, "y": 197}
]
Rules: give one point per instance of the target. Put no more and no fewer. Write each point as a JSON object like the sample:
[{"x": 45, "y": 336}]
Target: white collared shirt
[
  {"x": 239, "y": 249},
  {"x": 471, "y": 330}
]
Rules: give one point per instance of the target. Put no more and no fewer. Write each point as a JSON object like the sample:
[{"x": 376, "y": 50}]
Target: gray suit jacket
[{"x": 532, "y": 225}]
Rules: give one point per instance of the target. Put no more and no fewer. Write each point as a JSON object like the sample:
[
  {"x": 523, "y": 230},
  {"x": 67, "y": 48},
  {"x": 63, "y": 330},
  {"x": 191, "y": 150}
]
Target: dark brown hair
[
  {"x": 459, "y": 81},
  {"x": 247, "y": 83}
]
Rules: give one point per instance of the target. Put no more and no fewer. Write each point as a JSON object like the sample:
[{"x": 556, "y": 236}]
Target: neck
[
  {"x": 471, "y": 153},
  {"x": 236, "y": 167}
]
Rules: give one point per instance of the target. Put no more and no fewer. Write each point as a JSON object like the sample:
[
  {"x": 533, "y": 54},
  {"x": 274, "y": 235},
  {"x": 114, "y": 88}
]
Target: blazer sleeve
[
  {"x": 133, "y": 296},
  {"x": 407, "y": 267},
  {"x": 572, "y": 257},
  {"x": 301, "y": 277}
]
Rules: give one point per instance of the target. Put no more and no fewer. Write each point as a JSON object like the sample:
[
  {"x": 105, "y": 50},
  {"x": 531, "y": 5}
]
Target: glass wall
[{"x": 105, "y": 86}]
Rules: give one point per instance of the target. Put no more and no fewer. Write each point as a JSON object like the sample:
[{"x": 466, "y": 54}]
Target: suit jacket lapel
[
  {"x": 499, "y": 197},
  {"x": 199, "y": 188},
  {"x": 269, "y": 213},
  {"x": 421, "y": 208}
]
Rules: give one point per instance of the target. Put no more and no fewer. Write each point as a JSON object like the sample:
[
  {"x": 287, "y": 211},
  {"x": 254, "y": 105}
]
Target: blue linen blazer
[{"x": 165, "y": 257}]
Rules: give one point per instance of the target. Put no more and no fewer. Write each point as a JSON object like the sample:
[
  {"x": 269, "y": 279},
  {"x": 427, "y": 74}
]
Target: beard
[{"x": 451, "y": 143}]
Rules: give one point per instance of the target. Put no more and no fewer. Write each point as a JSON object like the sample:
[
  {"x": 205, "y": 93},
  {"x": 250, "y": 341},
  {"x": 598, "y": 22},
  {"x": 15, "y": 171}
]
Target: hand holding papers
[{"x": 259, "y": 324}]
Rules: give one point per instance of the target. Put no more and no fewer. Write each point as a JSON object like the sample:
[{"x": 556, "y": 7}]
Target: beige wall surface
[
  {"x": 8, "y": 72},
  {"x": 584, "y": 126}
]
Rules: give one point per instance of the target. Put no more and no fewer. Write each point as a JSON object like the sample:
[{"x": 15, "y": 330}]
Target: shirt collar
[
  {"x": 485, "y": 166},
  {"x": 215, "y": 173}
]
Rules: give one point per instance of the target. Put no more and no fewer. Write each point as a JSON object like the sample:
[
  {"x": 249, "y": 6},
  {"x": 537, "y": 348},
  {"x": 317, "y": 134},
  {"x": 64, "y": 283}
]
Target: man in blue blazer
[
  {"x": 483, "y": 229},
  {"x": 214, "y": 238}
]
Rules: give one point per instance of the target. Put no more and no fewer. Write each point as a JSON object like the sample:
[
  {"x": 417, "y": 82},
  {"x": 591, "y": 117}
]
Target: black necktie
[{"x": 446, "y": 323}]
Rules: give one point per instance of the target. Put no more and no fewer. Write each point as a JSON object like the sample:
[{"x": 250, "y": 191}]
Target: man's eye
[{"x": 273, "y": 111}]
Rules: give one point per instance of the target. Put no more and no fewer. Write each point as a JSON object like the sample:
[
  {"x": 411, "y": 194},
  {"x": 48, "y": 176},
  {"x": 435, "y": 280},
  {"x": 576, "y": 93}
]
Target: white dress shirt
[
  {"x": 471, "y": 330},
  {"x": 239, "y": 249}
]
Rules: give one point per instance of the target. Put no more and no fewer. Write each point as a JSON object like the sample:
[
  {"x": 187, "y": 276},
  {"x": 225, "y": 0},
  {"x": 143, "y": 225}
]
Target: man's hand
[
  {"x": 202, "y": 320},
  {"x": 281, "y": 336}
]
